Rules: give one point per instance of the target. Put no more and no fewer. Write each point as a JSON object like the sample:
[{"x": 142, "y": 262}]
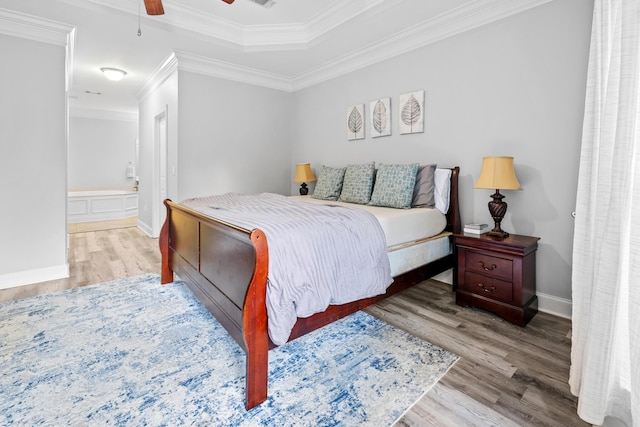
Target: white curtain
[{"x": 605, "y": 353}]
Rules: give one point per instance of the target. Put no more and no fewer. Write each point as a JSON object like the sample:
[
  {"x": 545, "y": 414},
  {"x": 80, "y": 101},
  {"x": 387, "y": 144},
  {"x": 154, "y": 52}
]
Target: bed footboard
[{"x": 226, "y": 267}]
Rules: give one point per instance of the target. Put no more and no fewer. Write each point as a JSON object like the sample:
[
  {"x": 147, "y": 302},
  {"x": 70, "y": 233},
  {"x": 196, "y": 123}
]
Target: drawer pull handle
[
  {"x": 491, "y": 267},
  {"x": 488, "y": 290}
]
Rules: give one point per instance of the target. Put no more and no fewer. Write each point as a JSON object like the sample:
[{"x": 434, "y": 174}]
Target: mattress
[{"x": 400, "y": 226}]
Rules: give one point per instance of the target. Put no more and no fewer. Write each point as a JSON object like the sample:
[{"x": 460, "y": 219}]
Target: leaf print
[
  {"x": 355, "y": 121},
  {"x": 379, "y": 117},
  {"x": 411, "y": 112}
]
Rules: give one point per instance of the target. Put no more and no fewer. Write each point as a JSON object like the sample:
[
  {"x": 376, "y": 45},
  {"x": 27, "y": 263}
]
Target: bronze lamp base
[{"x": 497, "y": 209}]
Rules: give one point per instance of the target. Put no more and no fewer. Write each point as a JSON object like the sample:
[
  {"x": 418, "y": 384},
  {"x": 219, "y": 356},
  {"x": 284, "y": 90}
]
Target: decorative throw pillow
[
  {"x": 358, "y": 183},
  {"x": 394, "y": 185},
  {"x": 329, "y": 183},
  {"x": 424, "y": 188}
]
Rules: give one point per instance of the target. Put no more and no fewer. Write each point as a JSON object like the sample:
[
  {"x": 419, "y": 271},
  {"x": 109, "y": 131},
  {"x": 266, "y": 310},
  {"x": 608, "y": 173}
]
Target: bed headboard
[{"x": 453, "y": 215}]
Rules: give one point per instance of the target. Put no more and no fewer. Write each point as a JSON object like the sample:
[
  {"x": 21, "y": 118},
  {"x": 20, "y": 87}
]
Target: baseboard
[
  {"x": 146, "y": 228},
  {"x": 560, "y": 307},
  {"x": 445, "y": 276},
  {"x": 38, "y": 275}
]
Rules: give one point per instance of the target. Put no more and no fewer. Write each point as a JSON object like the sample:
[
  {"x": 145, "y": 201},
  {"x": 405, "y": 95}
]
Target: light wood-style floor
[
  {"x": 507, "y": 375},
  {"x": 99, "y": 252}
]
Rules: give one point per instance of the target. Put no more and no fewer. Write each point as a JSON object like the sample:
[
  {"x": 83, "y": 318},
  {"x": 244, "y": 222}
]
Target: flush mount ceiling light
[{"x": 113, "y": 74}]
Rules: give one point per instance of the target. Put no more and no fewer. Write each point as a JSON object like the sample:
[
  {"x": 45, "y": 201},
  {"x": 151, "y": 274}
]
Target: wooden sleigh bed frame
[{"x": 226, "y": 267}]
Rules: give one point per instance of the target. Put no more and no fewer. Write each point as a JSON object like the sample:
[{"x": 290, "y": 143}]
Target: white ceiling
[{"x": 300, "y": 42}]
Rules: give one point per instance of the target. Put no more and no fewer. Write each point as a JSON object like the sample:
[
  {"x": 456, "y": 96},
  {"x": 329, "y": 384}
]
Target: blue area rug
[{"x": 133, "y": 352}]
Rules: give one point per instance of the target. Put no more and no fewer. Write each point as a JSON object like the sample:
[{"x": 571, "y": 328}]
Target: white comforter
[{"x": 318, "y": 254}]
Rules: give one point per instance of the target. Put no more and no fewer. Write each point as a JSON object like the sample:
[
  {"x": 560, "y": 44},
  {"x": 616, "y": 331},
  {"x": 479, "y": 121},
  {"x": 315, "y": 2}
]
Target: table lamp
[
  {"x": 304, "y": 174},
  {"x": 497, "y": 173}
]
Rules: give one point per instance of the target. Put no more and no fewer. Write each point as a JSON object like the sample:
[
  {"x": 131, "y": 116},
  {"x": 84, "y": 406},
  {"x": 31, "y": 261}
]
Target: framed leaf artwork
[
  {"x": 380, "y": 117},
  {"x": 355, "y": 122},
  {"x": 411, "y": 112}
]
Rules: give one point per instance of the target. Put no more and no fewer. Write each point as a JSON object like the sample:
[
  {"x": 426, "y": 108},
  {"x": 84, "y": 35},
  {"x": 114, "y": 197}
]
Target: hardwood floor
[
  {"x": 107, "y": 250},
  {"x": 506, "y": 375}
]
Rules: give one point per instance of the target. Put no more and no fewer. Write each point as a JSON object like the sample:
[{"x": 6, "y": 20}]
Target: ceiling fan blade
[
  {"x": 228, "y": 1},
  {"x": 154, "y": 7}
]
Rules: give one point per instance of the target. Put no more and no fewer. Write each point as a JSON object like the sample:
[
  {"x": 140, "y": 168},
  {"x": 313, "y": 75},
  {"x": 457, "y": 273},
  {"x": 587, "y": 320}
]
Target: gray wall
[
  {"x": 99, "y": 151},
  {"x": 163, "y": 98},
  {"x": 233, "y": 137},
  {"x": 33, "y": 164},
  {"x": 223, "y": 136},
  {"x": 513, "y": 87}
]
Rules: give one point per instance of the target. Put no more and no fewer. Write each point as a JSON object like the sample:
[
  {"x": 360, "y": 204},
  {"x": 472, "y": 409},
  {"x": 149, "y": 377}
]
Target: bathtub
[{"x": 100, "y": 204}]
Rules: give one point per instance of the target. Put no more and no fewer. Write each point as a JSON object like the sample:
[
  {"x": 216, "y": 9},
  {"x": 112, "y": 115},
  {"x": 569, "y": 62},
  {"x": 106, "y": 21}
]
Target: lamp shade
[
  {"x": 497, "y": 173},
  {"x": 304, "y": 173}
]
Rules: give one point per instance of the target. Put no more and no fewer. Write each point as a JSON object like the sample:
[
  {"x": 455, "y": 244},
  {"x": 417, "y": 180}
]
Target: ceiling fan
[{"x": 154, "y": 7}]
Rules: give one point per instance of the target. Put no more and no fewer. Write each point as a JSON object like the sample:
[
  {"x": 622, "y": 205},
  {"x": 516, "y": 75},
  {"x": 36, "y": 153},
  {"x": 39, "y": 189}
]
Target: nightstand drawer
[
  {"x": 489, "y": 265},
  {"x": 488, "y": 286}
]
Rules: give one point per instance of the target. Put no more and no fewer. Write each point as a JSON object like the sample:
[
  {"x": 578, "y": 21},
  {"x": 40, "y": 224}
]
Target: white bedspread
[{"x": 318, "y": 254}]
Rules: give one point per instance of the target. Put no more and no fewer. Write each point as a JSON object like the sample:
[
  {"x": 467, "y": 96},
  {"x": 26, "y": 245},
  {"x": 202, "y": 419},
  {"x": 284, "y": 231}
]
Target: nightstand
[{"x": 497, "y": 274}]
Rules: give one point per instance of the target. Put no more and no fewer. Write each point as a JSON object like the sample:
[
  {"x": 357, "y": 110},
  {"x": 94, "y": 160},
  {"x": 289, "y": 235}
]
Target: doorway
[{"x": 161, "y": 170}]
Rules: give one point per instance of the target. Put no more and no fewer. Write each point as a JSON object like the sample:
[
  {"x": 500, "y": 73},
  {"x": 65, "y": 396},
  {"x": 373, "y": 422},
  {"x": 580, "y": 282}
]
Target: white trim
[
  {"x": 159, "y": 150},
  {"x": 145, "y": 228},
  {"x": 92, "y": 113},
  {"x": 260, "y": 38},
  {"x": 38, "y": 275},
  {"x": 184, "y": 61},
  {"x": 557, "y": 306},
  {"x": 467, "y": 17},
  {"x": 446, "y": 276},
  {"x": 341, "y": 13},
  {"x": 91, "y": 208},
  {"x": 296, "y": 36},
  {"x": 70, "y": 55},
  {"x": 208, "y": 25},
  {"x": 158, "y": 76},
  {"x": 34, "y": 28},
  {"x": 224, "y": 70},
  {"x": 252, "y": 37},
  {"x": 471, "y": 15}
]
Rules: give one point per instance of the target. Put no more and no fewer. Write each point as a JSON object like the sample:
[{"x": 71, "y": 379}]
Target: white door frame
[{"x": 160, "y": 169}]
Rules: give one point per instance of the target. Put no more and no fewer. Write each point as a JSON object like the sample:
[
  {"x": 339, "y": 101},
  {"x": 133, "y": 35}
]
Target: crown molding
[
  {"x": 469, "y": 16},
  {"x": 185, "y": 61},
  {"x": 194, "y": 20},
  {"x": 252, "y": 38},
  {"x": 299, "y": 36},
  {"x": 295, "y": 36},
  {"x": 227, "y": 71},
  {"x": 34, "y": 28},
  {"x": 464, "y": 18},
  {"x": 340, "y": 13},
  {"x": 92, "y": 113},
  {"x": 159, "y": 76},
  {"x": 260, "y": 38}
]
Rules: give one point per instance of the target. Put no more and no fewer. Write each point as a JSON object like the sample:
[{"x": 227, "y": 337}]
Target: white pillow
[{"x": 443, "y": 187}]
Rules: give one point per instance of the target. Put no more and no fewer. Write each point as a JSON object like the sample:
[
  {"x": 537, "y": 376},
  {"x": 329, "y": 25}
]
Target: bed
[{"x": 226, "y": 267}]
